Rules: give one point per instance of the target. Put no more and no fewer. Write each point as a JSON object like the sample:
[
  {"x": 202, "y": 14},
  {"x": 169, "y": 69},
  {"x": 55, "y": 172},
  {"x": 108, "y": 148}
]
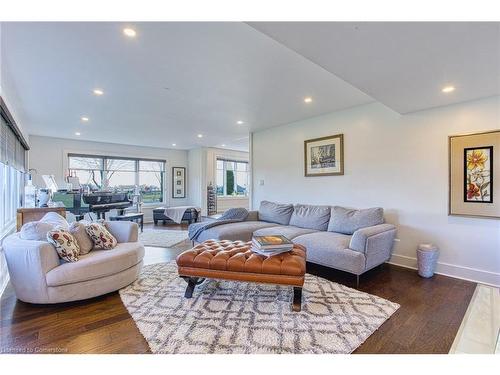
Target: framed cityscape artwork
[
  {"x": 324, "y": 156},
  {"x": 178, "y": 182},
  {"x": 473, "y": 189}
]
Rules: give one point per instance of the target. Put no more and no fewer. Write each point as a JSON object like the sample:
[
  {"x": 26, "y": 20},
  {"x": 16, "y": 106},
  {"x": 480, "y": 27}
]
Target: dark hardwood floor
[{"x": 429, "y": 317}]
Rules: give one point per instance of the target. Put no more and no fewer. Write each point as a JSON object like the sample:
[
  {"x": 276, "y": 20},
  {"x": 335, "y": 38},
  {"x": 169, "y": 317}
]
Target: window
[
  {"x": 151, "y": 180},
  {"x": 232, "y": 178},
  {"x": 12, "y": 159},
  {"x": 120, "y": 174},
  {"x": 89, "y": 170}
]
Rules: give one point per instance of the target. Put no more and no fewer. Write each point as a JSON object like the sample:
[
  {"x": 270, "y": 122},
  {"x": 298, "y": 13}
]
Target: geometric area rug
[
  {"x": 237, "y": 317},
  {"x": 162, "y": 237}
]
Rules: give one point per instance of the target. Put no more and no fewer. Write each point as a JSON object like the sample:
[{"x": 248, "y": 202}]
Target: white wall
[
  {"x": 396, "y": 162},
  {"x": 49, "y": 156},
  {"x": 196, "y": 174}
]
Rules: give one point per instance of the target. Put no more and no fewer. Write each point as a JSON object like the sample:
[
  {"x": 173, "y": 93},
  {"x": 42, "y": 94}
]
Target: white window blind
[
  {"x": 12, "y": 166},
  {"x": 12, "y": 149}
]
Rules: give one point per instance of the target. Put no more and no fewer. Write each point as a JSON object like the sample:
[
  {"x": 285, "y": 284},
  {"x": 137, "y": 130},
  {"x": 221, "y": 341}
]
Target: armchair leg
[{"x": 357, "y": 281}]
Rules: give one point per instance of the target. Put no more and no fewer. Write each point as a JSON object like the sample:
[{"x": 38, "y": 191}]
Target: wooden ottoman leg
[{"x": 297, "y": 299}]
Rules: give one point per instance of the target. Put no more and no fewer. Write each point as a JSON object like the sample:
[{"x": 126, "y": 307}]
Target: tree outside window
[{"x": 120, "y": 174}]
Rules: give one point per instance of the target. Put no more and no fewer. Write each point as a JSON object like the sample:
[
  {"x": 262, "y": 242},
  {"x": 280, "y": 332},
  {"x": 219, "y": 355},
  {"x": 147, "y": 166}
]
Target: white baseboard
[{"x": 452, "y": 270}]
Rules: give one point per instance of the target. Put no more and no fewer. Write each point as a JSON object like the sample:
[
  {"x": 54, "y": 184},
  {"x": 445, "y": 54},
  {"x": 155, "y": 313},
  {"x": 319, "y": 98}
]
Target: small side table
[{"x": 133, "y": 216}]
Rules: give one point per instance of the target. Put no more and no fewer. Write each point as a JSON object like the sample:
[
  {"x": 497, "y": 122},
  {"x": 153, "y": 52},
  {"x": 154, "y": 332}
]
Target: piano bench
[{"x": 132, "y": 216}]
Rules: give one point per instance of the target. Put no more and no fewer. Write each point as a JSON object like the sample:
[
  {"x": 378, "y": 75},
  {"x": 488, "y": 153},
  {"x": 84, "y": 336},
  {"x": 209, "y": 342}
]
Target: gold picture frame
[
  {"x": 324, "y": 156},
  {"x": 473, "y": 187}
]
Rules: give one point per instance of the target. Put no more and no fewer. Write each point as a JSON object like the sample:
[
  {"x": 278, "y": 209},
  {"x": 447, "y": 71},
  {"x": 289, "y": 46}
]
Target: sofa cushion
[
  {"x": 332, "y": 250},
  {"x": 82, "y": 238},
  {"x": 35, "y": 231},
  {"x": 96, "y": 264},
  {"x": 347, "y": 221},
  {"x": 275, "y": 212},
  {"x": 234, "y": 231},
  {"x": 65, "y": 244},
  {"x": 100, "y": 236},
  {"x": 55, "y": 219},
  {"x": 312, "y": 217},
  {"x": 288, "y": 231}
]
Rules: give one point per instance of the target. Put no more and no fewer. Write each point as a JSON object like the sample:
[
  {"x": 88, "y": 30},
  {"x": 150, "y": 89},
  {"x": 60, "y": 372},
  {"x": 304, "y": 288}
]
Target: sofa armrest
[
  {"x": 28, "y": 262},
  {"x": 28, "y": 254},
  {"x": 123, "y": 231},
  {"x": 252, "y": 216},
  {"x": 365, "y": 239}
]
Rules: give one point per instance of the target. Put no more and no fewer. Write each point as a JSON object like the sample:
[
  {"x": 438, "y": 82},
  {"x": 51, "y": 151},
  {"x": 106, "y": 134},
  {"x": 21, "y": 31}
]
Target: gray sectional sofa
[{"x": 346, "y": 239}]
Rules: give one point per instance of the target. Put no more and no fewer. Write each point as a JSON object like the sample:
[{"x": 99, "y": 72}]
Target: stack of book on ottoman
[{"x": 271, "y": 245}]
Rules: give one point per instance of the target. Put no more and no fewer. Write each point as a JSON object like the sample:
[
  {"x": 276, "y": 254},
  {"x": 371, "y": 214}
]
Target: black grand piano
[
  {"x": 98, "y": 202},
  {"x": 103, "y": 202}
]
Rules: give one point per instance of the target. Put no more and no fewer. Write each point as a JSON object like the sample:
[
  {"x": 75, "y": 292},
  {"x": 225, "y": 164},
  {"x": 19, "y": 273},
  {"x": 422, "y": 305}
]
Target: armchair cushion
[
  {"x": 66, "y": 246},
  {"x": 100, "y": 236},
  {"x": 97, "y": 264},
  {"x": 360, "y": 237},
  {"x": 123, "y": 231}
]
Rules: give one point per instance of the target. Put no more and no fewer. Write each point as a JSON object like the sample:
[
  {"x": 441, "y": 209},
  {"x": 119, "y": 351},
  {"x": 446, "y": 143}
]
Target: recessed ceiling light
[
  {"x": 77, "y": 133},
  {"x": 308, "y": 99},
  {"x": 84, "y": 119},
  {"x": 239, "y": 122},
  {"x": 448, "y": 89},
  {"x": 174, "y": 144},
  {"x": 200, "y": 135},
  {"x": 223, "y": 145},
  {"x": 129, "y": 32},
  {"x": 98, "y": 92}
]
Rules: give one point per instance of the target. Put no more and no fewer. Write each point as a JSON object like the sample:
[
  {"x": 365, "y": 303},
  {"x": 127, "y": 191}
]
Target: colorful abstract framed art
[{"x": 473, "y": 190}]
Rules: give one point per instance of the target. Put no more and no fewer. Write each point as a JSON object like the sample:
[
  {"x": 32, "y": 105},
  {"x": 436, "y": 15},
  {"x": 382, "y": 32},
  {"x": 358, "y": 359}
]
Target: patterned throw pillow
[
  {"x": 66, "y": 246},
  {"x": 100, "y": 236}
]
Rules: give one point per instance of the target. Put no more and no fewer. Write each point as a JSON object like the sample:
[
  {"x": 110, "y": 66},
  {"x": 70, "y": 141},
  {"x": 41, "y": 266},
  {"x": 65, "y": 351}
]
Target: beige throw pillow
[
  {"x": 100, "y": 236},
  {"x": 82, "y": 238},
  {"x": 66, "y": 246}
]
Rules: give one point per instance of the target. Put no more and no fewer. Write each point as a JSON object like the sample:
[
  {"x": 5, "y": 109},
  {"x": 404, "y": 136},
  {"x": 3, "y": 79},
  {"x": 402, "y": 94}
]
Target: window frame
[
  {"x": 12, "y": 171},
  {"x": 224, "y": 177},
  {"x": 136, "y": 172}
]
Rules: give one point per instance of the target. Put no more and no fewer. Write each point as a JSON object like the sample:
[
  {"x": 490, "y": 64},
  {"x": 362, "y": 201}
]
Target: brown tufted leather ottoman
[{"x": 234, "y": 260}]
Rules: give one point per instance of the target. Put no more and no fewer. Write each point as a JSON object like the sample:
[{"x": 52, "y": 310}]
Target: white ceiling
[
  {"x": 171, "y": 82},
  {"x": 402, "y": 65},
  {"x": 175, "y": 80}
]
